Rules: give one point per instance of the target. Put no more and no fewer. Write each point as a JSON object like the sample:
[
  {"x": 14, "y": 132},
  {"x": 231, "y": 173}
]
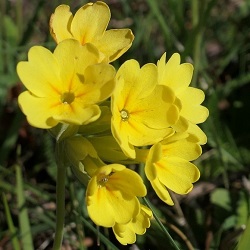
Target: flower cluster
[{"x": 108, "y": 118}]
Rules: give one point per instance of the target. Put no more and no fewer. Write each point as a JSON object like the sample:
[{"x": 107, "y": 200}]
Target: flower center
[
  {"x": 102, "y": 180},
  {"x": 67, "y": 97},
  {"x": 124, "y": 114}
]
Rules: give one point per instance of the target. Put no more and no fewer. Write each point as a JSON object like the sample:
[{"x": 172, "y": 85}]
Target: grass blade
[
  {"x": 12, "y": 229},
  {"x": 23, "y": 217}
]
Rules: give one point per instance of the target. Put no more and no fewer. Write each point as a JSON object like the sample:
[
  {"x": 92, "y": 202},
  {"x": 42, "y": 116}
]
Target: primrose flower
[
  {"x": 126, "y": 233},
  {"x": 142, "y": 110},
  {"x": 88, "y": 25},
  {"x": 178, "y": 77},
  {"x": 111, "y": 195},
  {"x": 170, "y": 171},
  {"x": 64, "y": 86}
]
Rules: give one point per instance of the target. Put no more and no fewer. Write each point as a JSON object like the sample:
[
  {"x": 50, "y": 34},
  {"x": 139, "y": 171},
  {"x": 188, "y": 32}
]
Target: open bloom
[
  {"x": 64, "y": 86},
  {"x": 168, "y": 168},
  {"x": 112, "y": 195},
  {"x": 88, "y": 25},
  {"x": 126, "y": 233},
  {"x": 142, "y": 110},
  {"x": 178, "y": 77}
]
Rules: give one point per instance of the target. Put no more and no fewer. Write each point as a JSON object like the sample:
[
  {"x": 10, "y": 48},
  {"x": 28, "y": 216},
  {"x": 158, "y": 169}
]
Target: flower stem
[
  {"x": 161, "y": 225},
  {"x": 60, "y": 197}
]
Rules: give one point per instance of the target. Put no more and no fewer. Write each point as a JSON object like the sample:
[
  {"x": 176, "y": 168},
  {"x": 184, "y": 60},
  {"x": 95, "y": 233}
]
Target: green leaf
[{"x": 244, "y": 243}]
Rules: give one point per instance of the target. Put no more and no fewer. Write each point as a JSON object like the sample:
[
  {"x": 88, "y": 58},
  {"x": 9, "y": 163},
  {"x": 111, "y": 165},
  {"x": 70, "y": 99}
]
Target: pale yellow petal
[
  {"x": 195, "y": 130},
  {"x": 99, "y": 82},
  {"x": 75, "y": 113},
  {"x": 181, "y": 125},
  {"x": 128, "y": 182},
  {"x": 114, "y": 43},
  {"x": 176, "y": 76},
  {"x": 126, "y": 87},
  {"x": 90, "y": 22},
  {"x": 191, "y": 99},
  {"x": 161, "y": 67},
  {"x": 110, "y": 203},
  {"x": 119, "y": 131},
  {"x": 99, "y": 209},
  {"x": 154, "y": 110},
  {"x": 134, "y": 82},
  {"x": 60, "y": 22},
  {"x": 38, "y": 110},
  {"x": 139, "y": 134},
  {"x": 73, "y": 59},
  {"x": 177, "y": 174},
  {"x": 142, "y": 221},
  {"x": 154, "y": 155},
  {"x": 127, "y": 237},
  {"x": 40, "y": 74},
  {"x": 182, "y": 148},
  {"x": 162, "y": 192}
]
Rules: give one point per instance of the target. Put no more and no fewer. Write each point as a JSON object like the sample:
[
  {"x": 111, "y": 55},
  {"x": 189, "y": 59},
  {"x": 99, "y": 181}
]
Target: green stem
[
  {"x": 161, "y": 225},
  {"x": 60, "y": 197}
]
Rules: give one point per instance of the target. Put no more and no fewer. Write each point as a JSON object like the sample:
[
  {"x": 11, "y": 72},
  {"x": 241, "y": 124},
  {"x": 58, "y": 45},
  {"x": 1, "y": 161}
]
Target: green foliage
[{"x": 214, "y": 36}]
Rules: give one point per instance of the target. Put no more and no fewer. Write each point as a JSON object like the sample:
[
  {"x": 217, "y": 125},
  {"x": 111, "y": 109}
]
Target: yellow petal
[
  {"x": 90, "y": 22},
  {"x": 191, "y": 99},
  {"x": 60, "y": 22},
  {"x": 37, "y": 110},
  {"x": 129, "y": 71},
  {"x": 134, "y": 82},
  {"x": 176, "y": 76},
  {"x": 115, "y": 42},
  {"x": 133, "y": 183},
  {"x": 107, "y": 207},
  {"x": 127, "y": 237},
  {"x": 126, "y": 233},
  {"x": 99, "y": 82},
  {"x": 184, "y": 148},
  {"x": 140, "y": 134},
  {"x": 177, "y": 174},
  {"x": 73, "y": 59},
  {"x": 162, "y": 192},
  {"x": 154, "y": 155},
  {"x": 142, "y": 221},
  {"x": 195, "y": 130},
  {"x": 181, "y": 125},
  {"x": 122, "y": 138},
  {"x": 75, "y": 113},
  {"x": 40, "y": 74},
  {"x": 153, "y": 110}
]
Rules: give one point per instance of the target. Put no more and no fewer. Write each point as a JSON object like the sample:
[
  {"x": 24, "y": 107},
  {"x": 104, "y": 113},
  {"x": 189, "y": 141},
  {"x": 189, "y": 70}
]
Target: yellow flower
[
  {"x": 178, "y": 77},
  {"x": 112, "y": 195},
  {"x": 168, "y": 167},
  {"x": 88, "y": 25},
  {"x": 142, "y": 110},
  {"x": 126, "y": 233},
  {"x": 64, "y": 86}
]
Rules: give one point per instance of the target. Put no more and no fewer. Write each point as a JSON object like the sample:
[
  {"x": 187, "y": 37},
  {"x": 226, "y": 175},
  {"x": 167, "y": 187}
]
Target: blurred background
[{"x": 213, "y": 35}]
